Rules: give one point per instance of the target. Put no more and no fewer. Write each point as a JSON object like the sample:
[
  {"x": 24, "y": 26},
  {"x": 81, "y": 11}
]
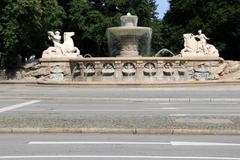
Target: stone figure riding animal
[
  {"x": 193, "y": 48},
  {"x": 67, "y": 46}
]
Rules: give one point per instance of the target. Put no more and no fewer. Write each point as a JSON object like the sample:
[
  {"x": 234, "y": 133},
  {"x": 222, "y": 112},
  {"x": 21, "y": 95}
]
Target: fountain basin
[{"x": 129, "y": 40}]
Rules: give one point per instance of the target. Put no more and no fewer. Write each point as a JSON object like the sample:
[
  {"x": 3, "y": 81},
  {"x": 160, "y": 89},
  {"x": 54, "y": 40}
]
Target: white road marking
[
  {"x": 5, "y": 109},
  {"x": 102, "y": 110},
  {"x": 169, "y": 108},
  {"x": 101, "y": 143},
  {"x": 165, "y": 103},
  {"x": 176, "y": 143},
  {"x": 111, "y": 156},
  {"x": 163, "y": 108},
  {"x": 213, "y": 114},
  {"x": 173, "y": 143},
  {"x": 176, "y": 115}
]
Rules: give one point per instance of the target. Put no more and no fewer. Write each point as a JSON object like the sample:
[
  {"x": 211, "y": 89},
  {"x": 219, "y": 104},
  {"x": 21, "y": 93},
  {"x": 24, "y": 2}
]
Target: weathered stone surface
[
  {"x": 220, "y": 69},
  {"x": 40, "y": 72},
  {"x": 35, "y": 64},
  {"x": 56, "y": 73},
  {"x": 233, "y": 66}
]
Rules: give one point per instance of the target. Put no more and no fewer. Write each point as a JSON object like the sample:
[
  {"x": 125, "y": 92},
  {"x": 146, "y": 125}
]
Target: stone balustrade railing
[{"x": 135, "y": 69}]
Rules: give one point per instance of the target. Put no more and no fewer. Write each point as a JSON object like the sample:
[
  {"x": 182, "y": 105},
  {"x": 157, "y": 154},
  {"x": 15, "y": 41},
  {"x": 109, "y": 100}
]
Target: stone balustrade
[{"x": 135, "y": 69}]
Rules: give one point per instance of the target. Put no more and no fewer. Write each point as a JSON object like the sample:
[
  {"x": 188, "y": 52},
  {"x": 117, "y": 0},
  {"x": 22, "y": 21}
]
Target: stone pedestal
[{"x": 129, "y": 46}]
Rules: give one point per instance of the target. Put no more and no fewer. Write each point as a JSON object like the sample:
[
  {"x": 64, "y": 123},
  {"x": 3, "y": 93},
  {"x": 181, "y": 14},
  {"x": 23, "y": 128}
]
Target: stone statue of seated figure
[
  {"x": 61, "y": 50},
  {"x": 196, "y": 45}
]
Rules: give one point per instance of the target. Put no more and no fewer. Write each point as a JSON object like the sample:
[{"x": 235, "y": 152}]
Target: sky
[{"x": 163, "y": 6}]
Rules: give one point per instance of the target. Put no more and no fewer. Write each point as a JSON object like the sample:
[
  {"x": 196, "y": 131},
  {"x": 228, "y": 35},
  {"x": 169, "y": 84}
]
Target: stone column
[
  {"x": 98, "y": 71},
  {"x": 139, "y": 72},
  {"x": 159, "y": 68},
  {"x": 118, "y": 71}
]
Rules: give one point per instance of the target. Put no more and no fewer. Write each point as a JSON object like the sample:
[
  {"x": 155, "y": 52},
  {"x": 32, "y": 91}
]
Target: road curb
[
  {"x": 121, "y": 84},
  {"x": 160, "y": 100},
  {"x": 134, "y": 131}
]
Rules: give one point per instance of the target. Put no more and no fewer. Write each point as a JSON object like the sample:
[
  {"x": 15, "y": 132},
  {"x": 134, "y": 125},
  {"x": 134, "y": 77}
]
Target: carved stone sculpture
[
  {"x": 128, "y": 69},
  {"x": 61, "y": 50},
  {"x": 57, "y": 73},
  {"x": 149, "y": 69},
  {"x": 168, "y": 69},
  {"x": 196, "y": 45},
  {"x": 108, "y": 69},
  {"x": 89, "y": 70},
  {"x": 203, "y": 73}
]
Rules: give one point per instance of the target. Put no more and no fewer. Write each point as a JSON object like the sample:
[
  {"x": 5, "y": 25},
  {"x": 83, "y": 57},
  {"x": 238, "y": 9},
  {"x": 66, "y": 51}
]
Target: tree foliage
[
  {"x": 219, "y": 19},
  {"x": 90, "y": 19},
  {"x": 24, "y": 24},
  {"x": 23, "y": 28}
]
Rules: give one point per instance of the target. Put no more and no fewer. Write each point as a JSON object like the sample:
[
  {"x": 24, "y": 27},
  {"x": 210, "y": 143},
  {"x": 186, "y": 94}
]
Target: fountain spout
[{"x": 129, "y": 20}]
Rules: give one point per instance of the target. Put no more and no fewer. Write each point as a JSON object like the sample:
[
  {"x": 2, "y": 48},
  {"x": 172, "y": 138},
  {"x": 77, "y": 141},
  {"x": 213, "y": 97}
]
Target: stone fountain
[
  {"x": 128, "y": 64},
  {"x": 129, "y": 40}
]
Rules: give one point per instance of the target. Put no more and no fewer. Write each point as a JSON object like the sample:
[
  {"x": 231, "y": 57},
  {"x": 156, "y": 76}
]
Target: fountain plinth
[{"x": 129, "y": 40}]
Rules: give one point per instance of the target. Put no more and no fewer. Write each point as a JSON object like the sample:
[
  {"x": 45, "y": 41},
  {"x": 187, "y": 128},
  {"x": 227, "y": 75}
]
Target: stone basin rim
[
  {"x": 129, "y": 30},
  {"x": 134, "y": 59}
]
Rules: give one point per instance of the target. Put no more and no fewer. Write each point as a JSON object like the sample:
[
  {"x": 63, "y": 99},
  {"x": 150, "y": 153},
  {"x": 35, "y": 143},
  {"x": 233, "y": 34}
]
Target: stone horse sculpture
[
  {"x": 194, "y": 48},
  {"x": 61, "y": 50}
]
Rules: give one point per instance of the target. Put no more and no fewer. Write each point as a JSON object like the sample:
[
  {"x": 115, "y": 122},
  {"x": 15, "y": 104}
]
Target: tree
[
  {"x": 219, "y": 19},
  {"x": 24, "y": 24},
  {"x": 90, "y": 19},
  {"x": 23, "y": 28}
]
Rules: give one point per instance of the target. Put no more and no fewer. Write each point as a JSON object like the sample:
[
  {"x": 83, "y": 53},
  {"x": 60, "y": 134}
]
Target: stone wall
[
  {"x": 137, "y": 69},
  {"x": 134, "y": 69}
]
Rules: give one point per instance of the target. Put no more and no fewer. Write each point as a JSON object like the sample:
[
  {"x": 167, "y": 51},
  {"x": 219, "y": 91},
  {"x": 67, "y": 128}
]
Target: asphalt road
[
  {"x": 44, "y": 106},
  {"x": 212, "y": 107},
  {"x": 10, "y": 90},
  {"x": 26, "y": 91},
  {"x": 75, "y": 108},
  {"x": 118, "y": 147},
  {"x": 192, "y": 101}
]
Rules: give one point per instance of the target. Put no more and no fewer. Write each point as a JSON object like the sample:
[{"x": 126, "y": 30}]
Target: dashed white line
[
  {"x": 177, "y": 115},
  {"x": 169, "y": 108},
  {"x": 5, "y": 109},
  {"x": 163, "y": 108}
]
